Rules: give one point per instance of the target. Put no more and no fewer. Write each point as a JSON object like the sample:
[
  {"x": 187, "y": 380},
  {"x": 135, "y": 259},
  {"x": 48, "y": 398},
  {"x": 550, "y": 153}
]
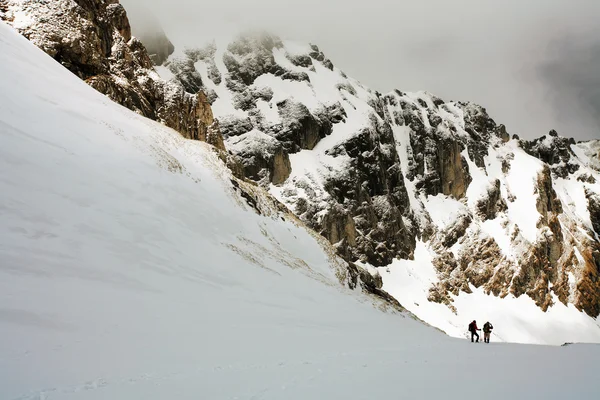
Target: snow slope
[
  {"x": 515, "y": 319},
  {"x": 130, "y": 269}
]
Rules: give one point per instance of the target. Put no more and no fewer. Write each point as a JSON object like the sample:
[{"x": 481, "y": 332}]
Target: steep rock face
[
  {"x": 593, "y": 200},
  {"x": 92, "y": 38},
  {"x": 447, "y": 171}
]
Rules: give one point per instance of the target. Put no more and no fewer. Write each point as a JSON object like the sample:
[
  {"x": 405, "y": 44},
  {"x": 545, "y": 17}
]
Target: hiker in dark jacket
[
  {"x": 487, "y": 331},
  {"x": 473, "y": 329}
]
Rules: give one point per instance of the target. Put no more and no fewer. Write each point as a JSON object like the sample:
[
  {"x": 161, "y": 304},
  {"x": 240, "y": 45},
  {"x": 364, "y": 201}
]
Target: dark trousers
[{"x": 474, "y": 333}]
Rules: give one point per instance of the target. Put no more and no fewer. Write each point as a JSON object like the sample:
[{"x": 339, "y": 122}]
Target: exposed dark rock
[
  {"x": 244, "y": 100},
  {"x": 300, "y": 60},
  {"x": 588, "y": 287},
  {"x": 554, "y": 151},
  {"x": 286, "y": 74},
  {"x": 593, "y": 200},
  {"x": 338, "y": 225},
  {"x": 492, "y": 203},
  {"x": 299, "y": 128},
  {"x": 187, "y": 74},
  {"x": 547, "y": 202},
  {"x": 319, "y": 56},
  {"x": 587, "y": 178},
  {"x": 264, "y": 93},
  {"x": 371, "y": 284},
  {"x": 457, "y": 230},
  {"x": 373, "y": 193},
  {"x": 263, "y": 157},
  {"x": 448, "y": 172},
  {"x": 234, "y": 126}
]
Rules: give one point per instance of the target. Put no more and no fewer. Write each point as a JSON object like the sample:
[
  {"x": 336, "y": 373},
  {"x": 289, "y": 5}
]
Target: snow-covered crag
[{"x": 379, "y": 175}]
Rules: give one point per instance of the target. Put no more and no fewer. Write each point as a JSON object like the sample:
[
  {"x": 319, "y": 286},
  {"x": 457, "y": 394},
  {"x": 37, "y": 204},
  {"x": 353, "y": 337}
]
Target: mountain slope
[
  {"x": 409, "y": 176},
  {"x": 130, "y": 267}
]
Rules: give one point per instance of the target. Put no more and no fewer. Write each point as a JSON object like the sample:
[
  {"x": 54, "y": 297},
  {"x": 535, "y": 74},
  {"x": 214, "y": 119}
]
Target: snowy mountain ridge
[{"x": 409, "y": 185}]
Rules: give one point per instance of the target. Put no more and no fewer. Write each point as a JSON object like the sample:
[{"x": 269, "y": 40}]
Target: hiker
[
  {"x": 473, "y": 329},
  {"x": 487, "y": 331}
]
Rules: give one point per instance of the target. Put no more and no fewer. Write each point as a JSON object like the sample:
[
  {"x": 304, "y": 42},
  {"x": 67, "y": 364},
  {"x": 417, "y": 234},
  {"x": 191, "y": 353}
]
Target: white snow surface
[
  {"x": 442, "y": 209},
  {"x": 524, "y": 170},
  {"x": 588, "y": 153},
  {"x": 130, "y": 269}
]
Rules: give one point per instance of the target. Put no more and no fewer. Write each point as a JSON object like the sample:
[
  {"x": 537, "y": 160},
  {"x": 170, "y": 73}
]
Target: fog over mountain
[{"x": 532, "y": 64}]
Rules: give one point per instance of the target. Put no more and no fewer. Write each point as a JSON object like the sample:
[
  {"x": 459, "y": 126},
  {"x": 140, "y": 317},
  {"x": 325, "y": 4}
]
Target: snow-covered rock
[{"x": 376, "y": 174}]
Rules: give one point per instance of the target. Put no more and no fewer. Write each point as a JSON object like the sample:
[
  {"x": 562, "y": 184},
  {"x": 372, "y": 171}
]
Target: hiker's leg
[
  {"x": 476, "y": 334},
  {"x": 472, "y": 334}
]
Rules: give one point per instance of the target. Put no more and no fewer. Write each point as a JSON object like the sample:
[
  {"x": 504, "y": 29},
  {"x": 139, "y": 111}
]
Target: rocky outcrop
[
  {"x": 588, "y": 286},
  {"x": 371, "y": 283},
  {"x": 492, "y": 203},
  {"x": 593, "y": 200},
  {"x": 299, "y": 128},
  {"x": 555, "y": 151},
  {"x": 262, "y": 157},
  {"x": 92, "y": 38}
]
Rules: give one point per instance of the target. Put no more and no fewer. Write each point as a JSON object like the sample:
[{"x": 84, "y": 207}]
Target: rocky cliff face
[
  {"x": 92, "y": 38},
  {"x": 377, "y": 174}
]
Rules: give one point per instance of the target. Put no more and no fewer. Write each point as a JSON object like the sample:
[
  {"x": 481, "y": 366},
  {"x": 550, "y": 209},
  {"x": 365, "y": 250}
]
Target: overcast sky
[{"x": 534, "y": 64}]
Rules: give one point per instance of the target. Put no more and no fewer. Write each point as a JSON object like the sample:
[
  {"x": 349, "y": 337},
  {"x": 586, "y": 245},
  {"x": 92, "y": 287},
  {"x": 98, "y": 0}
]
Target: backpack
[{"x": 471, "y": 327}]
